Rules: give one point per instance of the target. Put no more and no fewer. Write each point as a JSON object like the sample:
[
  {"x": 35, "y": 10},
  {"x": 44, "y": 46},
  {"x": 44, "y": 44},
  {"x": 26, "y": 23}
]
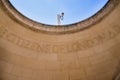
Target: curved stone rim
[{"x": 58, "y": 29}]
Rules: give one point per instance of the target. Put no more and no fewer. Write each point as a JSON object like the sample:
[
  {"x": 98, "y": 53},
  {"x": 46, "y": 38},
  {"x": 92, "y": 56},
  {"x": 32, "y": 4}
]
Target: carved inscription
[
  {"x": 3, "y": 31},
  {"x": 60, "y": 48}
]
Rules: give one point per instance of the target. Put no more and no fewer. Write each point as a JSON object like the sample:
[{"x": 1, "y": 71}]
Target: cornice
[{"x": 57, "y": 29}]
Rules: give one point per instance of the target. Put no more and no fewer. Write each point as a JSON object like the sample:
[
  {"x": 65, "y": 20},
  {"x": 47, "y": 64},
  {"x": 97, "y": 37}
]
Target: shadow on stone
[{"x": 117, "y": 73}]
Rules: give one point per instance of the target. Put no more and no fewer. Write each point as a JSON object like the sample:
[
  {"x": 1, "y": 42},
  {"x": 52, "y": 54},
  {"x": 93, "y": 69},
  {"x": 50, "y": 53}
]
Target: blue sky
[{"x": 45, "y": 11}]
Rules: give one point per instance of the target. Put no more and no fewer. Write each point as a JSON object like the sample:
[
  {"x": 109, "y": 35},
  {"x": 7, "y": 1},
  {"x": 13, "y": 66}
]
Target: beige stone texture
[{"x": 90, "y": 54}]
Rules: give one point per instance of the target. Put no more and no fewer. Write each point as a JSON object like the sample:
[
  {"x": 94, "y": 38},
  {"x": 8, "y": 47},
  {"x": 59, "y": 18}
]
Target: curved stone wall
[
  {"x": 56, "y": 29},
  {"x": 90, "y": 54}
]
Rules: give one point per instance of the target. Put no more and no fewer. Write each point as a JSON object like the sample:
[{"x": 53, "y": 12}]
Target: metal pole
[{"x": 59, "y": 18}]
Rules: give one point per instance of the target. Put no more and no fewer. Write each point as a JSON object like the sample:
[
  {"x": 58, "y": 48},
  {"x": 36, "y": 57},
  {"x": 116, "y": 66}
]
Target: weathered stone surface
[{"x": 90, "y": 54}]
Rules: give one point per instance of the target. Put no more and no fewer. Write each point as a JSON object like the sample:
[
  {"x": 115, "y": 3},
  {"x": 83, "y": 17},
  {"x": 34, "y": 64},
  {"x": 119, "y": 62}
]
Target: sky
[{"x": 45, "y": 11}]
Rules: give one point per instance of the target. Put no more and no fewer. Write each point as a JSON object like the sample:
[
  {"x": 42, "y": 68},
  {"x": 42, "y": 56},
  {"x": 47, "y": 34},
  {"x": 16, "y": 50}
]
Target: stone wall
[{"x": 90, "y": 54}]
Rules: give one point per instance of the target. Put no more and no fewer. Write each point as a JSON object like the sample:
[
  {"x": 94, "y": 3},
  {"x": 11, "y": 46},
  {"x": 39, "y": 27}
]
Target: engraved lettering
[
  {"x": 58, "y": 47},
  {"x": 3, "y": 31}
]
